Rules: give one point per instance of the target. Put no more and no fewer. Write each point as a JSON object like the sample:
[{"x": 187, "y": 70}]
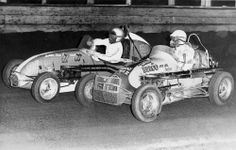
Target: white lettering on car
[{"x": 155, "y": 68}]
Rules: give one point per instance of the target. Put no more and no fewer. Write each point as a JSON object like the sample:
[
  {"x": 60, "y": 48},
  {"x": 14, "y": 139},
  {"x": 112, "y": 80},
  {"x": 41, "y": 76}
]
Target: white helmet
[
  {"x": 116, "y": 35},
  {"x": 178, "y": 37}
]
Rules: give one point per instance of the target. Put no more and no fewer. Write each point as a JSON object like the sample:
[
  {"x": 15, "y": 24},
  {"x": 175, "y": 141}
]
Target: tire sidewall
[
  {"x": 137, "y": 98},
  {"x": 35, "y": 89},
  {"x": 79, "y": 90},
  {"x": 214, "y": 88},
  {"x": 8, "y": 70}
]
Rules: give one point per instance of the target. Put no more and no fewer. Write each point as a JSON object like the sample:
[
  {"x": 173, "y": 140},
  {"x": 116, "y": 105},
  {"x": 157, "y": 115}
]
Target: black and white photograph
[{"x": 117, "y": 74}]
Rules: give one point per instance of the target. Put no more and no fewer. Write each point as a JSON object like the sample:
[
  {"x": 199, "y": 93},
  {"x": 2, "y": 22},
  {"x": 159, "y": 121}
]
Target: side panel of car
[{"x": 52, "y": 61}]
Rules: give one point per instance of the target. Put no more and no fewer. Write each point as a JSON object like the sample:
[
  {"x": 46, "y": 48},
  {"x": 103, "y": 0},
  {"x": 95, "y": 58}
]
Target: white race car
[
  {"x": 156, "y": 81},
  {"x": 54, "y": 72}
]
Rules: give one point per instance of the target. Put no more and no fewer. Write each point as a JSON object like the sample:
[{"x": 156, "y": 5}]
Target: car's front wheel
[
  {"x": 146, "y": 103},
  {"x": 83, "y": 90},
  {"x": 45, "y": 87},
  {"x": 8, "y": 69},
  {"x": 221, "y": 88}
]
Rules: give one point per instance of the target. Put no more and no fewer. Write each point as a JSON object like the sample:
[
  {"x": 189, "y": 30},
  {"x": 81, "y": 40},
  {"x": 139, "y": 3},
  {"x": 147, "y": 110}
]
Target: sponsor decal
[
  {"x": 155, "y": 67},
  {"x": 64, "y": 58},
  {"x": 77, "y": 57}
]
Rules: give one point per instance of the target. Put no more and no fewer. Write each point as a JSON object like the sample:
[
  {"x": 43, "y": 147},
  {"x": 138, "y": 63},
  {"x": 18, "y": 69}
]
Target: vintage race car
[
  {"x": 54, "y": 72},
  {"x": 156, "y": 81}
]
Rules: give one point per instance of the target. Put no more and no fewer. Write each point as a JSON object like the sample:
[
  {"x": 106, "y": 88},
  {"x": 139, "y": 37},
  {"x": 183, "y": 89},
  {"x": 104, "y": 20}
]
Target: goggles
[
  {"x": 112, "y": 33},
  {"x": 177, "y": 38}
]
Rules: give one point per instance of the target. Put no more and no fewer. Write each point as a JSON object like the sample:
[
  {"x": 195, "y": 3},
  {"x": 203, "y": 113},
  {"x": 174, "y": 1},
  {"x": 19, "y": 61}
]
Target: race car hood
[{"x": 161, "y": 60}]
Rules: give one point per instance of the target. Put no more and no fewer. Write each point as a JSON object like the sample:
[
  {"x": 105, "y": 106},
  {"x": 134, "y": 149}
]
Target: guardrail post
[
  {"x": 91, "y": 2},
  {"x": 171, "y": 2},
  {"x": 128, "y": 2},
  {"x": 3, "y": 1},
  {"x": 206, "y": 3},
  {"x": 44, "y": 1}
]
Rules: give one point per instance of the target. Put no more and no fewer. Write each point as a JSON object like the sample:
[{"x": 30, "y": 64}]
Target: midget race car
[
  {"x": 54, "y": 72},
  {"x": 156, "y": 81}
]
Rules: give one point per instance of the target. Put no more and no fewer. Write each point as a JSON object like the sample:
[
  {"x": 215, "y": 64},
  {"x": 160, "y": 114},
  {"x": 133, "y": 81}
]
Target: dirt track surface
[{"x": 64, "y": 124}]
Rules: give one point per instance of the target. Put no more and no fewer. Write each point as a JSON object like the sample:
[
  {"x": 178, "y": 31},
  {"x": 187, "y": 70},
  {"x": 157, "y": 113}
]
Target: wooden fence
[{"x": 146, "y": 19}]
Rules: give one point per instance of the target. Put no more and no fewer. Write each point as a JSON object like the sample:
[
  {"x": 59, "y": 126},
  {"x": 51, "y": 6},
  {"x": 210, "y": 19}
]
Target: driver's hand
[
  {"x": 88, "y": 51},
  {"x": 90, "y": 43},
  {"x": 84, "y": 50},
  {"x": 127, "y": 60},
  {"x": 95, "y": 58},
  {"x": 91, "y": 52}
]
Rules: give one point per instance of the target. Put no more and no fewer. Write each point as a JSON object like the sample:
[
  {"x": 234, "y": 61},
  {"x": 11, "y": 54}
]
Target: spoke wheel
[
  {"x": 88, "y": 89},
  {"x": 84, "y": 89},
  {"x": 221, "y": 88},
  {"x": 48, "y": 88},
  {"x": 8, "y": 69},
  {"x": 45, "y": 87},
  {"x": 146, "y": 103},
  {"x": 225, "y": 88}
]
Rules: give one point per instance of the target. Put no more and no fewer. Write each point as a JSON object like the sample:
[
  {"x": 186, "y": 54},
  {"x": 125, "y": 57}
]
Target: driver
[
  {"x": 183, "y": 52},
  {"x": 114, "y": 48}
]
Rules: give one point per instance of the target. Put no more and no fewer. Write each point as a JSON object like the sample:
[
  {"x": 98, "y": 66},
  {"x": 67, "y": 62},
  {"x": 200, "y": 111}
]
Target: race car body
[
  {"x": 26, "y": 72},
  {"x": 58, "y": 71},
  {"x": 157, "y": 81},
  {"x": 161, "y": 60}
]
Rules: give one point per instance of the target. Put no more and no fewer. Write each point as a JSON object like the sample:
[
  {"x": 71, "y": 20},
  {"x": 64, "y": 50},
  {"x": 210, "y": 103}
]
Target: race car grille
[
  {"x": 108, "y": 84},
  {"x": 105, "y": 97},
  {"x": 115, "y": 81},
  {"x": 14, "y": 80},
  {"x": 106, "y": 93},
  {"x": 106, "y": 89}
]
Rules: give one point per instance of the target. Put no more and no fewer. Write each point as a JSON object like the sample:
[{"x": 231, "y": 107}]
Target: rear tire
[
  {"x": 45, "y": 87},
  {"x": 8, "y": 69},
  {"x": 146, "y": 103},
  {"x": 221, "y": 88},
  {"x": 83, "y": 90}
]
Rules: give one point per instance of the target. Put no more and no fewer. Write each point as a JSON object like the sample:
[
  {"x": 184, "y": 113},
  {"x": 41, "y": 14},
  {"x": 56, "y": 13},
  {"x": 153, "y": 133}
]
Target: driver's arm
[
  {"x": 96, "y": 42},
  {"x": 111, "y": 54}
]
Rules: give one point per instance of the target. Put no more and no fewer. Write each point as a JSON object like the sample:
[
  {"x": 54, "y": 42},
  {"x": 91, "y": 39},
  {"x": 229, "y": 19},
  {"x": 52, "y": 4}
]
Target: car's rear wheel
[
  {"x": 146, "y": 103},
  {"x": 221, "y": 88},
  {"x": 8, "y": 69},
  {"x": 45, "y": 87},
  {"x": 83, "y": 90}
]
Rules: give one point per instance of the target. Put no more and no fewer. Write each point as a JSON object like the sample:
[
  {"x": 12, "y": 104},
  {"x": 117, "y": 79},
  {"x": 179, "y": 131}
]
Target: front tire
[
  {"x": 221, "y": 88},
  {"x": 8, "y": 69},
  {"x": 45, "y": 87},
  {"x": 83, "y": 90},
  {"x": 146, "y": 103}
]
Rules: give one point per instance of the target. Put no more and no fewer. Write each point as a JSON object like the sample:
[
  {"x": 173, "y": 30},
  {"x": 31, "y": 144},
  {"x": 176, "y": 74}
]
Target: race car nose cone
[{"x": 14, "y": 80}]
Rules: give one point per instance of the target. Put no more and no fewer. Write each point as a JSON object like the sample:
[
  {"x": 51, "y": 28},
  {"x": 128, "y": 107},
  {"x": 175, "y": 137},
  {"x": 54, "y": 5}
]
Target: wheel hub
[
  {"x": 225, "y": 89},
  {"x": 48, "y": 88},
  {"x": 88, "y": 90},
  {"x": 149, "y": 105}
]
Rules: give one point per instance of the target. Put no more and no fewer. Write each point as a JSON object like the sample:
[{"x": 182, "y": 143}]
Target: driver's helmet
[
  {"x": 178, "y": 37},
  {"x": 116, "y": 35}
]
